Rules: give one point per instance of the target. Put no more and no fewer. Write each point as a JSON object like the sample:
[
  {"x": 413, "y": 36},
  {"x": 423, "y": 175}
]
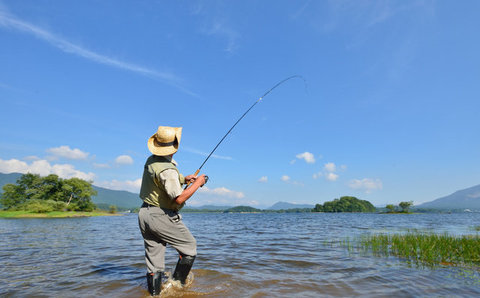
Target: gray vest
[{"x": 152, "y": 190}]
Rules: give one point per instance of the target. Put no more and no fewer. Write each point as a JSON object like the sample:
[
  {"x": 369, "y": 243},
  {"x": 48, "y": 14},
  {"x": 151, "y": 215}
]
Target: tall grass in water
[{"x": 428, "y": 249}]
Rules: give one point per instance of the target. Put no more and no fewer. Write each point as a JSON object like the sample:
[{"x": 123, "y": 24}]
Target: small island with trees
[
  {"x": 403, "y": 207},
  {"x": 49, "y": 196},
  {"x": 345, "y": 204}
]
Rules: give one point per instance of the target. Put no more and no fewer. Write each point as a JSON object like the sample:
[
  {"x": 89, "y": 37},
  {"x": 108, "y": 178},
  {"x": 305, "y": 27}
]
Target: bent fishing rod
[{"x": 239, "y": 119}]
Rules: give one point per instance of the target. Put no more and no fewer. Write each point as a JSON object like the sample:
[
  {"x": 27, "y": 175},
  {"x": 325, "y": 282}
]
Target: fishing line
[{"x": 244, "y": 114}]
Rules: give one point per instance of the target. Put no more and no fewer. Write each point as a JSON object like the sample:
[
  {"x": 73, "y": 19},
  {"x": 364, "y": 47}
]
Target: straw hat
[{"x": 165, "y": 141}]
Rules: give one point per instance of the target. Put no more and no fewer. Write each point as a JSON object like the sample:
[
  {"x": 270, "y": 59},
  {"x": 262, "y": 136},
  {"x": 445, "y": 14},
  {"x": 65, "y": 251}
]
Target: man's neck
[{"x": 169, "y": 158}]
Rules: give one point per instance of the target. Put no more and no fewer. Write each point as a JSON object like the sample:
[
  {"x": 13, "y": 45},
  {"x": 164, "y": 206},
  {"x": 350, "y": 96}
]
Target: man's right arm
[{"x": 187, "y": 193}]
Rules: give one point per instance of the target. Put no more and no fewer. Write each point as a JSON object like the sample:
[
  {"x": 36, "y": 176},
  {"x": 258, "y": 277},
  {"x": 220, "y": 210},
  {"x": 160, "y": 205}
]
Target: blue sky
[{"x": 390, "y": 112}]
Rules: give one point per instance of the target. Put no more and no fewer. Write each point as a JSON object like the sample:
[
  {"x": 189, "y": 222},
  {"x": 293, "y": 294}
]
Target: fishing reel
[{"x": 206, "y": 180}]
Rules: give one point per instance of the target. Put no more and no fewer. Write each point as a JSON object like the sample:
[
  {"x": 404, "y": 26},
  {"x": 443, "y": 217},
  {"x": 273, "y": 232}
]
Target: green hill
[
  {"x": 120, "y": 198},
  {"x": 468, "y": 198},
  {"x": 8, "y": 178},
  {"x": 286, "y": 206}
]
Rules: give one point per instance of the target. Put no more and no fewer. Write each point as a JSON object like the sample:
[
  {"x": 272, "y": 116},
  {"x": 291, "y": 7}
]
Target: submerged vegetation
[{"x": 424, "y": 248}]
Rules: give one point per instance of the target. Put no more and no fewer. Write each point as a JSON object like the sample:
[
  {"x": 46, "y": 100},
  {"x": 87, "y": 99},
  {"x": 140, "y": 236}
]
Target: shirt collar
[{"x": 170, "y": 159}]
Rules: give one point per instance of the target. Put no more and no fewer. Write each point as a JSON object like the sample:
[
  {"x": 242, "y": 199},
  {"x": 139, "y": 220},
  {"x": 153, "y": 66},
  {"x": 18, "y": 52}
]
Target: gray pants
[{"x": 159, "y": 227}]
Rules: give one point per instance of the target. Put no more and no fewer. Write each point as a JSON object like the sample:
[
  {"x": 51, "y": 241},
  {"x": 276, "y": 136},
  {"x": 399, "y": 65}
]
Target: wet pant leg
[{"x": 159, "y": 227}]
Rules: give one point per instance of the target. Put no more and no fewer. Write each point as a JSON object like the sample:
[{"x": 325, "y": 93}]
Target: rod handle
[{"x": 196, "y": 173}]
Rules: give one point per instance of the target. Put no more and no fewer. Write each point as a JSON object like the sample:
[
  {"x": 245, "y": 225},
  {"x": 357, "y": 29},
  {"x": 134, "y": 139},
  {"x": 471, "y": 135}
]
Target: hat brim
[{"x": 156, "y": 149}]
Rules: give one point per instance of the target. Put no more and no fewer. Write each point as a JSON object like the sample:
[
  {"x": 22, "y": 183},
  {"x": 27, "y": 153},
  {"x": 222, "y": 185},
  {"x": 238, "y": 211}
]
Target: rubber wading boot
[
  {"x": 184, "y": 265},
  {"x": 154, "y": 282}
]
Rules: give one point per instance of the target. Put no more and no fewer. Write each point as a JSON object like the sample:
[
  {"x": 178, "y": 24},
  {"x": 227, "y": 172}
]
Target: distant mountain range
[
  {"x": 285, "y": 206},
  {"x": 121, "y": 198},
  {"x": 208, "y": 207},
  {"x": 468, "y": 198},
  {"x": 8, "y": 178},
  {"x": 276, "y": 206}
]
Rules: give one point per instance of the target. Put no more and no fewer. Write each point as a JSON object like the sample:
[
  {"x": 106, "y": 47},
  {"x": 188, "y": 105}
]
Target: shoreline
[{"x": 54, "y": 214}]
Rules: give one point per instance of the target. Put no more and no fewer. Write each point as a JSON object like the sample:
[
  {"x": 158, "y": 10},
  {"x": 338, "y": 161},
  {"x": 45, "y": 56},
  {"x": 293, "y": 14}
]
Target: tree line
[{"x": 39, "y": 194}]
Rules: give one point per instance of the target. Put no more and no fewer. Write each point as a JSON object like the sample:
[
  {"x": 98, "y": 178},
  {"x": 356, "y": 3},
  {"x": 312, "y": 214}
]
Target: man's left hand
[{"x": 190, "y": 178}]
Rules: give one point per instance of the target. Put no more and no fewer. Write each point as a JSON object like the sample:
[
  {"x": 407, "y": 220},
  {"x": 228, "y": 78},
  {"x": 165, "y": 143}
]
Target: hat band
[{"x": 157, "y": 143}]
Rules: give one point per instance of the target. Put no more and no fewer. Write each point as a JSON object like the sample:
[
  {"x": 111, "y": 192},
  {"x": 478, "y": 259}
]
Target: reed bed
[{"x": 425, "y": 248}]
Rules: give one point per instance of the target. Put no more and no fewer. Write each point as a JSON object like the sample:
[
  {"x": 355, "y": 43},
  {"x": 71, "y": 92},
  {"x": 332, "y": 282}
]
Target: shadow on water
[{"x": 113, "y": 270}]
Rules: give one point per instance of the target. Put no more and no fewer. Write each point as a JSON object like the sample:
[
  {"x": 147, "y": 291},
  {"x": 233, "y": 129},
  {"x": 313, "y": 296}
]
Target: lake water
[{"x": 239, "y": 255}]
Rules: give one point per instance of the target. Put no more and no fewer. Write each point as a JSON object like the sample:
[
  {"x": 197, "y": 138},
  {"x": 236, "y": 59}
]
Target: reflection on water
[{"x": 272, "y": 255}]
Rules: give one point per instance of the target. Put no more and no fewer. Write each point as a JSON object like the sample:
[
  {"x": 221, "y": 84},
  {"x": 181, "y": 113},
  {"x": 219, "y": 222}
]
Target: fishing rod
[{"x": 239, "y": 119}]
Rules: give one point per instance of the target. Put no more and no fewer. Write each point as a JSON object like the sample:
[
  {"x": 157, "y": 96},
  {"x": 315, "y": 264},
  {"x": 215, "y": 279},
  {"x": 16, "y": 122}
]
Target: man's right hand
[
  {"x": 189, "y": 191},
  {"x": 201, "y": 179}
]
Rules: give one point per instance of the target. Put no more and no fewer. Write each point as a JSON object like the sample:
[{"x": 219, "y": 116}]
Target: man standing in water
[{"x": 158, "y": 218}]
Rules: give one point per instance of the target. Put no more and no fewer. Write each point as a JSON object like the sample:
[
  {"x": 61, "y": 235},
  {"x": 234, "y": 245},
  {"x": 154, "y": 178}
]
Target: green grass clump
[{"x": 429, "y": 249}]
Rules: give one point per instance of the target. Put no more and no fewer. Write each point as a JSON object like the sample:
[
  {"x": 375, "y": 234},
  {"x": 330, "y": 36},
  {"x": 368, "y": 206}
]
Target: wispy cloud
[
  {"x": 221, "y": 196},
  {"x": 10, "y": 21},
  {"x": 101, "y": 165},
  {"x": 330, "y": 167},
  {"x": 222, "y": 191},
  {"x": 366, "y": 184},
  {"x": 217, "y": 24},
  {"x": 307, "y": 156},
  {"x": 329, "y": 172},
  {"x": 327, "y": 175},
  {"x": 300, "y": 11},
  {"x": 195, "y": 151},
  {"x": 31, "y": 158},
  {"x": 287, "y": 179},
  {"x": 362, "y": 14},
  {"x": 331, "y": 176},
  {"x": 128, "y": 185},
  {"x": 263, "y": 179},
  {"x": 43, "y": 168},
  {"x": 123, "y": 160},
  {"x": 68, "y": 153},
  {"x": 220, "y": 28}
]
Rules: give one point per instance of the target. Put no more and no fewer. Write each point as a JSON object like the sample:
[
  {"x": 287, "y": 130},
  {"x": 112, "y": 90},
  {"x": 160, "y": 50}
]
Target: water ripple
[{"x": 246, "y": 255}]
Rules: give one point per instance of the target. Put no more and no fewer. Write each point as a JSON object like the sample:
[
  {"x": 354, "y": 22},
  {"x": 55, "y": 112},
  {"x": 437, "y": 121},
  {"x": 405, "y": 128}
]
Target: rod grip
[{"x": 196, "y": 173}]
